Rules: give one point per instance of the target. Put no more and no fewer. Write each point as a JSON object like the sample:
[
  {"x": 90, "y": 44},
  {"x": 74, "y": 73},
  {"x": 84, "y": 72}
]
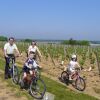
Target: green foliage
[
  {"x": 27, "y": 40},
  {"x": 2, "y": 38},
  {"x": 84, "y": 42},
  {"x": 75, "y": 42},
  {"x": 81, "y": 62},
  {"x": 62, "y": 52}
]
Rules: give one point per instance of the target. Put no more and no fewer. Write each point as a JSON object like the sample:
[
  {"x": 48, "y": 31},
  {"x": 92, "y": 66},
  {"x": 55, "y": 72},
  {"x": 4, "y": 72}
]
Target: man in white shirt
[{"x": 9, "y": 49}]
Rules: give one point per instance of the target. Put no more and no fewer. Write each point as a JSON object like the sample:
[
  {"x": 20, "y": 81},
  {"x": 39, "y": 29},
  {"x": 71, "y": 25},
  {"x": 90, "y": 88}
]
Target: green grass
[
  {"x": 61, "y": 92},
  {"x": 13, "y": 87},
  {"x": 16, "y": 89}
]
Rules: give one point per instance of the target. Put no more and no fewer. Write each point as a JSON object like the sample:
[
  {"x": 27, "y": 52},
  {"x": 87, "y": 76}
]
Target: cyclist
[
  {"x": 30, "y": 65},
  {"x": 33, "y": 47},
  {"x": 9, "y": 50},
  {"x": 73, "y": 64}
]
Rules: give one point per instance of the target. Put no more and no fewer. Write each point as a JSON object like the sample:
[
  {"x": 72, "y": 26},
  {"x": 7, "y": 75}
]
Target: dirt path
[{"x": 7, "y": 93}]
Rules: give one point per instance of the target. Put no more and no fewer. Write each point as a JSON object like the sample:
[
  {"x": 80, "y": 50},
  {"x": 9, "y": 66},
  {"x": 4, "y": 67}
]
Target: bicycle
[
  {"x": 34, "y": 84},
  {"x": 79, "y": 82},
  {"x": 13, "y": 70}
]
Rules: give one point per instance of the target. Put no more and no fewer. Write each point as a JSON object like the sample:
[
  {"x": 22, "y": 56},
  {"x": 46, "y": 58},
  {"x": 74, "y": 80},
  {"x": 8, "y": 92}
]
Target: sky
[{"x": 50, "y": 19}]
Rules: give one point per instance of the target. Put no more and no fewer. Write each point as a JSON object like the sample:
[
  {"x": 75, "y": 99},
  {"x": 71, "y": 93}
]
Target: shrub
[
  {"x": 75, "y": 42},
  {"x": 3, "y": 38}
]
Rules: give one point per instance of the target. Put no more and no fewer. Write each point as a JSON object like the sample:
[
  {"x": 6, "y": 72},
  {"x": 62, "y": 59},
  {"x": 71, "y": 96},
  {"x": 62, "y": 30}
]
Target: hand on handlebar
[
  {"x": 6, "y": 56},
  {"x": 78, "y": 68},
  {"x": 82, "y": 68}
]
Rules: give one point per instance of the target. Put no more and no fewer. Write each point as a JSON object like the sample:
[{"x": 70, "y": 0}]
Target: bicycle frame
[
  {"x": 29, "y": 77},
  {"x": 76, "y": 79},
  {"x": 11, "y": 59},
  {"x": 76, "y": 75}
]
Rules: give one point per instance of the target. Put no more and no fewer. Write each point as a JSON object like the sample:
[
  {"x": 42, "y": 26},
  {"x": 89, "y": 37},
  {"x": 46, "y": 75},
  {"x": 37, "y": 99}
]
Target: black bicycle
[{"x": 13, "y": 70}]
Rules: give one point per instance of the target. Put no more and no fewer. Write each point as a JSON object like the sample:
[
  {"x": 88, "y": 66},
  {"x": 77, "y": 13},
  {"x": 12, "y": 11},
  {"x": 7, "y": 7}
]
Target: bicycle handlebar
[
  {"x": 78, "y": 69},
  {"x": 14, "y": 56}
]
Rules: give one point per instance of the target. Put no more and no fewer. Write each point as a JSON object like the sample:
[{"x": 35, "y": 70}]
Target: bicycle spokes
[
  {"x": 38, "y": 88},
  {"x": 80, "y": 84}
]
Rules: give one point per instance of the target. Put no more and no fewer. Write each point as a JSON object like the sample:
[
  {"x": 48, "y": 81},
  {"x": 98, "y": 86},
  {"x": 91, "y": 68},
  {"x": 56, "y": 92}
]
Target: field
[{"x": 52, "y": 56}]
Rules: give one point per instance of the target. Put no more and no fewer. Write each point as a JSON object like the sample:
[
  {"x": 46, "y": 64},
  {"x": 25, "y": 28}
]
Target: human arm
[
  {"x": 29, "y": 49},
  {"x": 78, "y": 66},
  {"x": 35, "y": 64},
  {"x": 5, "y": 50},
  {"x": 15, "y": 47},
  {"x": 39, "y": 54}
]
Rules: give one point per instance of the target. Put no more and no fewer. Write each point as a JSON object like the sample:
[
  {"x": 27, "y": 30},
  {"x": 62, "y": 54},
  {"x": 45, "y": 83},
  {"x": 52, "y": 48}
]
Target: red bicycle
[
  {"x": 77, "y": 81},
  {"x": 34, "y": 84}
]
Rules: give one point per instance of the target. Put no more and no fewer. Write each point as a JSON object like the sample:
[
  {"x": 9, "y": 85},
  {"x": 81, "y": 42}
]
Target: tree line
[
  {"x": 76, "y": 42},
  {"x": 66, "y": 42}
]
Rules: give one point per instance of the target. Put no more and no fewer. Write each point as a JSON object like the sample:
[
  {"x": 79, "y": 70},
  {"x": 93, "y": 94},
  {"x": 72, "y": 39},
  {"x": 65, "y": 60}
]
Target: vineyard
[
  {"x": 87, "y": 55},
  {"x": 54, "y": 54}
]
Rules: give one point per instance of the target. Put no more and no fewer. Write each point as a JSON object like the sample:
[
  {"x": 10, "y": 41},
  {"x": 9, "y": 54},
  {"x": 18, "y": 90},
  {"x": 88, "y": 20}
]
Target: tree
[
  {"x": 3, "y": 38},
  {"x": 71, "y": 41},
  {"x": 27, "y": 40}
]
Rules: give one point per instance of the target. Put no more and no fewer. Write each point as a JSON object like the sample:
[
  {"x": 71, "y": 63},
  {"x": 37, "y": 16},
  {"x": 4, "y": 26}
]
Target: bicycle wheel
[
  {"x": 37, "y": 88},
  {"x": 80, "y": 84},
  {"x": 38, "y": 73},
  {"x": 15, "y": 75},
  {"x": 21, "y": 83},
  {"x": 64, "y": 77}
]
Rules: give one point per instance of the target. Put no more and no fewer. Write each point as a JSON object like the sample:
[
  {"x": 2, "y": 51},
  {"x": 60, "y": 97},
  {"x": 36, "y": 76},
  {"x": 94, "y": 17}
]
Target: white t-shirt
[
  {"x": 33, "y": 49},
  {"x": 10, "y": 48},
  {"x": 72, "y": 65}
]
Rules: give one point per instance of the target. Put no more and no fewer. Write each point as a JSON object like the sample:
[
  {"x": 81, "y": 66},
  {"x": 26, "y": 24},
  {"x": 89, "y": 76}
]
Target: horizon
[
  {"x": 52, "y": 39},
  {"x": 53, "y": 20},
  {"x": 48, "y": 39}
]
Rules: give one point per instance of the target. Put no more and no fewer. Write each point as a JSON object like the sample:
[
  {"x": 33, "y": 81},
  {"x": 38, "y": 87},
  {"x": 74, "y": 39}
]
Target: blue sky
[{"x": 50, "y": 19}]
